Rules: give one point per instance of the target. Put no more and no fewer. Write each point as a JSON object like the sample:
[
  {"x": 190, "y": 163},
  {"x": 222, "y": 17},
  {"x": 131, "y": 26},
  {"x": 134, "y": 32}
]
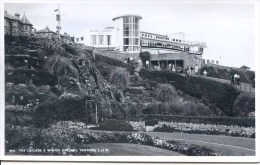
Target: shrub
[
  {"x": 244, "y": 104},
  {"x": 71, "y": 49},
  {"x": 166, "y": 92},
  {"x": 120, "y": 78},
  {"x": 196, "y": 109},
  {"x": 115, "y": 125}
]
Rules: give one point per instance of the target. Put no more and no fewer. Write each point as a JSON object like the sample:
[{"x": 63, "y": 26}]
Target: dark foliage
[
  {"x": 145, "y": 56},
  {"x": 221, "y": 94},
  {"x": 244, "y": 104},
  {"x": 61, "y": 109},
  {"x": 70, "y": 49}
]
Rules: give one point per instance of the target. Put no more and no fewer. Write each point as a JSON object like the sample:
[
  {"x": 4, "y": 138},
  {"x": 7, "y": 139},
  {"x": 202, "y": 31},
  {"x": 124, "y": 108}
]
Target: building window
[
  {"x": 81, "y": 38},
  {"x": 101, "y": 40},
  {"x": 77, "y": 39},
  {"x": 93, "y": 39},
  {"x": 173, "y": 39}
]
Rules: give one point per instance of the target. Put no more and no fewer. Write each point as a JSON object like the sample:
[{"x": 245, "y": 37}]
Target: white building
[{"x": 125, "y": 36}]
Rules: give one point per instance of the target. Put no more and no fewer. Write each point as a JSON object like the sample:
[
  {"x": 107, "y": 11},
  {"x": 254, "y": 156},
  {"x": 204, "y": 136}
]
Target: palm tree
[{"x": 61, "y": 67}]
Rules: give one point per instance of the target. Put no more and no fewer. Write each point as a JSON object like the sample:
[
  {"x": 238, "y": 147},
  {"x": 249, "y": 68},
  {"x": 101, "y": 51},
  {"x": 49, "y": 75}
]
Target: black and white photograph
[{"x": 129, "y": 78}]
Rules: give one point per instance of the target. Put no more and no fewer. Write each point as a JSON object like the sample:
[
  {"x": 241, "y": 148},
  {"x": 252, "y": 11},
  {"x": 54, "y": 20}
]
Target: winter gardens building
[{"x": 126, "y": 37}]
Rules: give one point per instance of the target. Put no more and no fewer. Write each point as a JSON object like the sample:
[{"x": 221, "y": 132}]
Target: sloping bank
[{"x": 221, "y": 94}]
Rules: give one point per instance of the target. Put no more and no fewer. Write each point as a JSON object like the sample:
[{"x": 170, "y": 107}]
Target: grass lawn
[{"x": 125, "y": 149}]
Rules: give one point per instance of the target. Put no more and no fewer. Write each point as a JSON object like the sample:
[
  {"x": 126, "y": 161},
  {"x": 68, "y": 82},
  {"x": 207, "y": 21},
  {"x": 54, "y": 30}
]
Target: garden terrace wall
[
  {"x": 221, "y": 94},
  {"x": 245, "y": 122}
]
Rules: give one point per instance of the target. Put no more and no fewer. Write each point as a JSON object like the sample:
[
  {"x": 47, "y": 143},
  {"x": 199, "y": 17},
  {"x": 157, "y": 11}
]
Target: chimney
[
  {"x": 17, "y": 15},
  {"x": 47, "y": 28}
]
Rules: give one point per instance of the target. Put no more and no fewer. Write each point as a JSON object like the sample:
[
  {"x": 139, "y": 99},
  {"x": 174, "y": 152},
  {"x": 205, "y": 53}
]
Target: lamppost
[{"x": 93, "y": 101}]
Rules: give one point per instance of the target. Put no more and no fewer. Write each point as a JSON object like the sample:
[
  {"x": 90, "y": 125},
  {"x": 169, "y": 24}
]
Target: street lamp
[{"x": 93, "y": 101}]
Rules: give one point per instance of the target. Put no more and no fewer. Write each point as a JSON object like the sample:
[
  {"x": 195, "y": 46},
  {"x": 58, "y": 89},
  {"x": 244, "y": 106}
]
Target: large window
[
  {"x": 81, "y": 38},
  {"x": 101, "y": 39},
  {"x": 93, "y": 39},
  {"x": 131, "y": 34}
]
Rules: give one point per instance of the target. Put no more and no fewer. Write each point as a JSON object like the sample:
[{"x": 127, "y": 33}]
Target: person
[
  {"x": 187, "y": 70},
  {"x": 205, "y": 73},
  {"x": 169, "y": 67},
  {"x": 196, "y": 69},
  {"x": 147, "y": 64},
  {"x": 232, "y": 79},
  {"x": 173, "y": 69},
  {"x": 191, "y": 70},
  {"x": 238, "y": 79}
]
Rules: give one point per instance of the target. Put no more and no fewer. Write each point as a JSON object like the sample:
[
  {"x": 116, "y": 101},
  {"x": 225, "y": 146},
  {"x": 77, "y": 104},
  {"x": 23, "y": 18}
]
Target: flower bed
[
  {"x": 216, "y": 129},
  {"x": 26, "y": 137}
]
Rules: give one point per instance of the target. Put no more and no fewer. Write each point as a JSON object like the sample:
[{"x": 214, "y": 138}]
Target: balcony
[{"x": 171, "y": 48}]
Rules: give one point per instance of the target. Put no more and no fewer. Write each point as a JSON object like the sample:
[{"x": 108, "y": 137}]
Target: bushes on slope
[
  {"x": 221, "y": 94},
  {"x": 244, "y": 104}
]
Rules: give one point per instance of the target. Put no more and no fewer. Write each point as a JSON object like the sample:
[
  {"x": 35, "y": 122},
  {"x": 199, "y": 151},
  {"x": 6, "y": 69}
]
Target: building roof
[
  {"x": 25, "y": 20},
  {"x": 127, "y": 15},
  {"x": 9, "y": 16},
  {"x": 46, "y": 30}
]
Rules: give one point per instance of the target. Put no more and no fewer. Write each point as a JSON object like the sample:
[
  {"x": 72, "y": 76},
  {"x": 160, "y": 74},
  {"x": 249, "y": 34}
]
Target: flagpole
[{"x": 59, "y": 20}]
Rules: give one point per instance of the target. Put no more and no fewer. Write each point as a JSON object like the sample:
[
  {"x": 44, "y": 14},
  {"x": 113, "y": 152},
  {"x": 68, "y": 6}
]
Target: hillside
[{"x": 223, "y": 72}]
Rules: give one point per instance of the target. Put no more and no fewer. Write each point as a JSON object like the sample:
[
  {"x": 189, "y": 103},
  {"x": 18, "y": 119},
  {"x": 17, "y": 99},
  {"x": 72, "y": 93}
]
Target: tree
[
  {"x": 145, "y": 56},
  {"x": 245, "y": 67},
  {"x": 166, "y": 92},
  {"x": 120, "y": 78}
]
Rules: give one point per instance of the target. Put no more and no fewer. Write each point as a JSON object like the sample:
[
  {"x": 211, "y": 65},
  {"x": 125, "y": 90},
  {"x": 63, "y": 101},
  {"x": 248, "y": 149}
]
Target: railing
[{"x": 178, "y": 49}]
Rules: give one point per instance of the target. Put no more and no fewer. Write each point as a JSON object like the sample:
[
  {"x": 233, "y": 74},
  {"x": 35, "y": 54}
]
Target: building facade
[
  {"x": 14, "y": 25},
  {"x": 51, "y": 34},
  {"x": 125, "y": 36}
]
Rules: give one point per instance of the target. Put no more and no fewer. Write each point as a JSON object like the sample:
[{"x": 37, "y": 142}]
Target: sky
[{"x": 226, "y": 28}]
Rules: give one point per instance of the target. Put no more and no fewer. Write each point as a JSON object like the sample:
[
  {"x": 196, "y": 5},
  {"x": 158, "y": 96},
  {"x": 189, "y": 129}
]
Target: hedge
[
  {"x": 239, "y": 121},
  {"x": 221, "y": 94}
]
